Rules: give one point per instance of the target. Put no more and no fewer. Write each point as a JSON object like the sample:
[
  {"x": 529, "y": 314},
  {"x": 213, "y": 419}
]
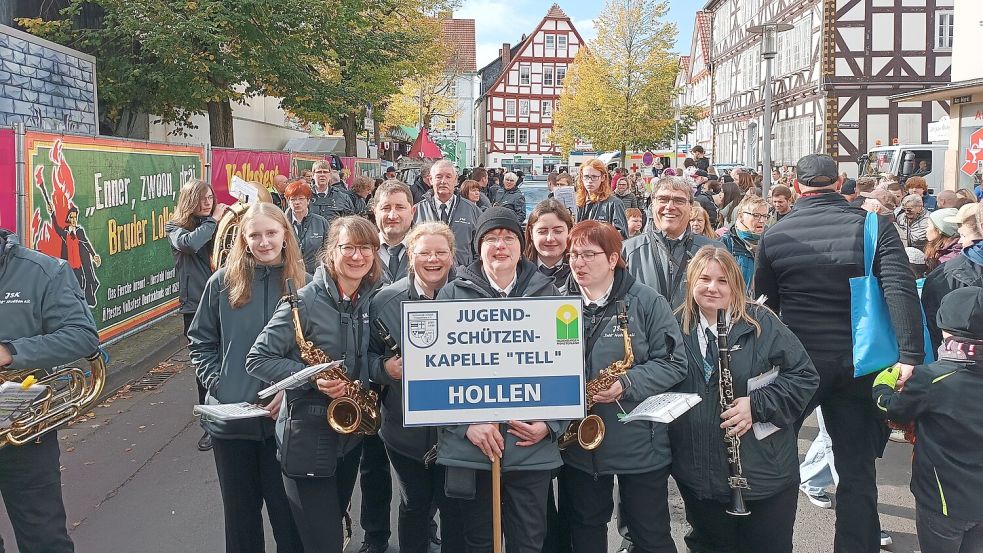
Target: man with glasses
[
  {"x": 394, "y": 214},
  {"x": 444, "y": 205},
  {"x": 913, "y": 221},
  {"x": 331, "y": 198},
  {"x": 659, "y": 256}
]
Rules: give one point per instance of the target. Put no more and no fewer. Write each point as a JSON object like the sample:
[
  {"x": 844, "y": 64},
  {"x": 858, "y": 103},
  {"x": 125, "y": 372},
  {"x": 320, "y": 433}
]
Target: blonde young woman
[
  {"x": 190, "y": 233},
  {"x": 237, "y": 302},
  {"x": 699, "y": 222},
  {"x": 758, "y": 343},
  {"x": 334, "y": 316},
  {"x": 595, "y": 198}
]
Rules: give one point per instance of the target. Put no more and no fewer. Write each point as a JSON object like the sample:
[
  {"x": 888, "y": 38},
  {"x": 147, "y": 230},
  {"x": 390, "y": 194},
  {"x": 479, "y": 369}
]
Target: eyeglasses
[
  {"x": 494, "y": 240},
  {"x": 757, "y": 216},
  {"x": 321, "y": 172},
  {"x": 442, "y": 255},
  {"x": 677, "y": 201},
  {"x": 348, "y": 250},
  {"x": 593, "y": 177},
  {"x": 586, "y": 256}
]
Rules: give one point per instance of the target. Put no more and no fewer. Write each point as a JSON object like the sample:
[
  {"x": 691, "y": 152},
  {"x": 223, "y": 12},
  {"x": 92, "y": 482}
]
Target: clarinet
[
  {"x": 736, "y": 480},
  {"x": 387, "y": 337}
]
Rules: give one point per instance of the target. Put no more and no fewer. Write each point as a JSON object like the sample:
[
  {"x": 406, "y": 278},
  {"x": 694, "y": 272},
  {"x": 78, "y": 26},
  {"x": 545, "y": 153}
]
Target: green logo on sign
[{"x": 567, "y": 323}]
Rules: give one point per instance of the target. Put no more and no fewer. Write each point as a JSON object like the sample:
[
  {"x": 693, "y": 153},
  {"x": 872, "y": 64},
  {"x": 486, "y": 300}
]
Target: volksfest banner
[
  {"x": 492, "y": 361},
  {"x": 8, "y": 188},
  {"x": 248, "y": 165},
  {"x": 101, "y": 204}
]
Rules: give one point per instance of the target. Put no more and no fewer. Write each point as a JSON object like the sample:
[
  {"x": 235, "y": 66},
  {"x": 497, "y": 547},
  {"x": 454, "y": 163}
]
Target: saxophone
[
  {"x": 589, "y": 431},
  {"x": 357, "y": 410},
  {"x": 736, "y": 480}
]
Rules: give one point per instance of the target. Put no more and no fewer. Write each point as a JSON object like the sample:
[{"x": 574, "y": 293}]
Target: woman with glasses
[
  {"x": 547, "y": 230},
  {"x": 430, "y": 247},
  {"x": 527, "y": 449},
  {"x": 595, "y": 199},
  {"x": 636, "y": 453},
  {"x": 741, "y": 238},
  {"x": 773, "y": 381},
  {"x": 334, "y": 316},
  {"x": 512, "y": 198},
  {"x": 310, "y": 228}
]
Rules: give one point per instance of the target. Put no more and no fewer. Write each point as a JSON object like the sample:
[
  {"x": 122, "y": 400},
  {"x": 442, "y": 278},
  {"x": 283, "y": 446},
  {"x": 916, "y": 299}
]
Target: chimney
[{"x": 506, "y": 53}]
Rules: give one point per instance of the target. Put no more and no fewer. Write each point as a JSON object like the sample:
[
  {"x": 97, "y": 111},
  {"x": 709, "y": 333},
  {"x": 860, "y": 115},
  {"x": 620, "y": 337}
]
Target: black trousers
[
  {"x": 377, "y": 490},
  {"x": 557, "y": 521},
  {"x": 859, "y": 436},
  {"x": 249, "y": 475},
  {"x": 941, "y": 534},
  {"x": 589, "y": 502},
  {"x": 768, "y": 529},
  {"x": 419, "y": 488},
  {"x": 318, "y": 504},
  {"x": 523, "y": 512},
  {"x": 30, "y": 482},
  {"x": 188, "y": 317}
]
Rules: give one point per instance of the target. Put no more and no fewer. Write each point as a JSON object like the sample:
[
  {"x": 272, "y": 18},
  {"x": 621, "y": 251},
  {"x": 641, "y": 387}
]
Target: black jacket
[
  {"x": 192, "y": 251},
  {"x": 609, "y": 210},
  {"x": 958, "y": 272},
  {"x": 706, "y": 202},
  {"x": 699, "y": 456},
  {"x": 943, "y": 399},
  {"x": 804, "y": 266},
  {"x": 514, "y": 200}
]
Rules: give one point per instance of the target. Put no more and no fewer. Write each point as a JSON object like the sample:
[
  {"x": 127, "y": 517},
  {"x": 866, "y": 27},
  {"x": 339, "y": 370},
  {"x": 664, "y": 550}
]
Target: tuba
[
  {"x": 589, "y": 431},
  {"x": 68, "y": 392},
  {"x": 228, "y": 225},
  {"x": 357, "y": 410}
]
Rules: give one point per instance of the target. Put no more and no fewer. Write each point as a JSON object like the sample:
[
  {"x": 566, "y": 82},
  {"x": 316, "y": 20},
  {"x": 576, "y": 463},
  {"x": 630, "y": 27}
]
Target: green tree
[{"x": 618, "y": 92}]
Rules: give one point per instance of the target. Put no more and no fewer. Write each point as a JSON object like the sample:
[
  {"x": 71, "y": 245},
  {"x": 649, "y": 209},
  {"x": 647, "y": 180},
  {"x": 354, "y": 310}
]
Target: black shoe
[
  {"x": 205, "y": 443},
  {"x": 373, "y": 547}
]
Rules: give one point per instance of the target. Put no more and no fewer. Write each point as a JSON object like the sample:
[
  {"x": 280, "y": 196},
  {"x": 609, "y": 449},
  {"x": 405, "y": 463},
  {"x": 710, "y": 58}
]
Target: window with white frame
[
  {"x": 944, "y": 22},
  {"x": 547, "y": 75},
  {"x": 550, "y": 42},
  {"x": 523, "y": 137},
  {"x": 510, "y": 137},
  {"x": 524, "y": 108},
  {"x": 750, "y": 69},
  {"x": 561, "y": 73},
  {"x": 561, "y": 41},
  {"x": 722, "y": 148},
  {"x": 524, "y": 74},
  {"x": 452, "y": 88},
  {"x": 547, "y": 108},
  {"x": 545, "y": 136},
  {"x": 794, "y": 139},
  {"x": 450, "y": 124},
  {"x": 723, "y": 85},
  {"x": 510, "y": 108},
  {"x": 795, "y": 47}
]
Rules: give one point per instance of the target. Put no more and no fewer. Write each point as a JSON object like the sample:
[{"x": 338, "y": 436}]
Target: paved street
[{"x": 135, "y": 483}]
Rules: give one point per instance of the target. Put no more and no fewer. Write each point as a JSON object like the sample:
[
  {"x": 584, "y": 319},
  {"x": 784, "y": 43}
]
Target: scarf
[
  {"x": 957, "y": 348},
  {"x": 747, "y": 235},
  {"x": 975, "y": 252}
]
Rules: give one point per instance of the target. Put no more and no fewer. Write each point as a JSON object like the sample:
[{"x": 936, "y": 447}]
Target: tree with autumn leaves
[{"x": 618, "y": 92}]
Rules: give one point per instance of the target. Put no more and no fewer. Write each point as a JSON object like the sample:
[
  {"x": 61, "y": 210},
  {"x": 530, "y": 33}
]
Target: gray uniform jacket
[
  {"x": 412, "y": 442},
  {"x": 192, "y": 250},
  {"x": 648, "y": 255},
  {"x": 454, "y": 447},
  {"x": 698, "y": 449},
  {"x": 311, "y": 233},
  {"x": 463, "y": 222},
  {"x": 335, "y": 202},
  {"x": 340, "y": 330},
  {"x": 609, "y": 210},
  {"x": 515, "y": 200},
  {"x": 660, "y": 363},
  {"x": 45, "y": 322},
  {"x": 220, "y": 339}
]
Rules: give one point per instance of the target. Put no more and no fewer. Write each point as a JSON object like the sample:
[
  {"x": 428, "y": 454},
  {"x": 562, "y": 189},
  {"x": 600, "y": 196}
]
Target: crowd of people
[{"x": 724, "y": 294}]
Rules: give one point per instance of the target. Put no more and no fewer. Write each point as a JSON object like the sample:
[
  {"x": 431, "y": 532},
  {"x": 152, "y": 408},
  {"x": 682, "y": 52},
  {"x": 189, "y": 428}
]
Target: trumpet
[
  {"x": 68, "y": 392},
  {"x": 357, "y": 410},
  {"x": 589, "y": 431}
]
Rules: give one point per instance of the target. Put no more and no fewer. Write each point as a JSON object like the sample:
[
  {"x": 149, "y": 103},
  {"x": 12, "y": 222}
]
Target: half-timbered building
[
  {"x": 518, "y": 96},
  {"x": 831, "y": 78},
  {"x": 698, "y": 82}
]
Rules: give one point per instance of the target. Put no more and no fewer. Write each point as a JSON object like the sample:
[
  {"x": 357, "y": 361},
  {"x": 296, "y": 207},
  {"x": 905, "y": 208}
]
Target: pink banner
[
  {"x": 248, "y": 165},
  {"x": 8, "y": 177},
  {"x": 357, "y": 166}
]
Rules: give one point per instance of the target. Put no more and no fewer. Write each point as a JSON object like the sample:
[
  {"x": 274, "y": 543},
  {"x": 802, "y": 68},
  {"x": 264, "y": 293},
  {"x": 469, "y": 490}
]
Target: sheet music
[
  {"x": 230, "y": 411},
  {"x": 297, "y": 379},
  {"x": 15, "y": 400},
  {"x": 762, "y": 429},
  {"x": 665, "y": 407}
]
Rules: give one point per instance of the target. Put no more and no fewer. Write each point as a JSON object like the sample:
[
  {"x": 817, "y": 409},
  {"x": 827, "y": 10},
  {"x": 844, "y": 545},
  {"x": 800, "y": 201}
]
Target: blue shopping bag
[{"x": 875, "y": 346}]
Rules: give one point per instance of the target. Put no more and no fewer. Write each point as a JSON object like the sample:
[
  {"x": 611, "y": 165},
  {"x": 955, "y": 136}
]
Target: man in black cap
[
  {"x": 943, "y": 399},
  {"x": 702, "y": 195},
  {"x": 390, "y": 172},
  {"x": 804, "y": 266}
]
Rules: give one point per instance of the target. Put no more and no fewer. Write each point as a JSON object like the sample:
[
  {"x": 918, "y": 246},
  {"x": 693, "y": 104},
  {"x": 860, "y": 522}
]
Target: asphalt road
[{"x": 134, "y": 482}]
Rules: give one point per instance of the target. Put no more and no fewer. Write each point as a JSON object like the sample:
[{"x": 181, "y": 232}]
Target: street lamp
[{"x": 769, "y": 49}]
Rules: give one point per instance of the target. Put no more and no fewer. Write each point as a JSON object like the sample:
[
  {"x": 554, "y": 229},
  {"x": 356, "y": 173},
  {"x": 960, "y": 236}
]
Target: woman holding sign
[
  {"x": 636, "y": 452},
  {"x": 527, "y": 449},
  {"x": 773, "y": 380},
  {"x": 238, "y": 301},
  {"x": 430, "y": 247},
  {"x": 319, "y": 464}
]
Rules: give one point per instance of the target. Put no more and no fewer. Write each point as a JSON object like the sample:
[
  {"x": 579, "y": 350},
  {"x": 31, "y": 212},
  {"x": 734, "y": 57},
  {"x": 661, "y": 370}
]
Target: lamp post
[
  {"x": 675, "y": 140},
  {"x": 769, "y": 49}
]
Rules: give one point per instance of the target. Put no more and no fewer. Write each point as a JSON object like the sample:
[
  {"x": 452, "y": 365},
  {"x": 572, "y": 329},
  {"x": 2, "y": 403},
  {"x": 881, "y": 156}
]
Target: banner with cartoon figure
[
  {"x": 101, "y": 204},
  {"x": 8, "y": 189},
  {"x": 248, "y": 165}
]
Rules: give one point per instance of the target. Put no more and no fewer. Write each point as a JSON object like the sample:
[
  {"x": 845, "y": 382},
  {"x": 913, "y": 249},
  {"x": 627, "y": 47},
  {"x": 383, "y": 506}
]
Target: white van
[{"x": 906, "y": 160}]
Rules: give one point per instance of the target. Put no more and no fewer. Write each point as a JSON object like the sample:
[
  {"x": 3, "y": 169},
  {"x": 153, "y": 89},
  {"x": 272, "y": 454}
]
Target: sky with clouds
[{"x": 498, "y": 21}]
